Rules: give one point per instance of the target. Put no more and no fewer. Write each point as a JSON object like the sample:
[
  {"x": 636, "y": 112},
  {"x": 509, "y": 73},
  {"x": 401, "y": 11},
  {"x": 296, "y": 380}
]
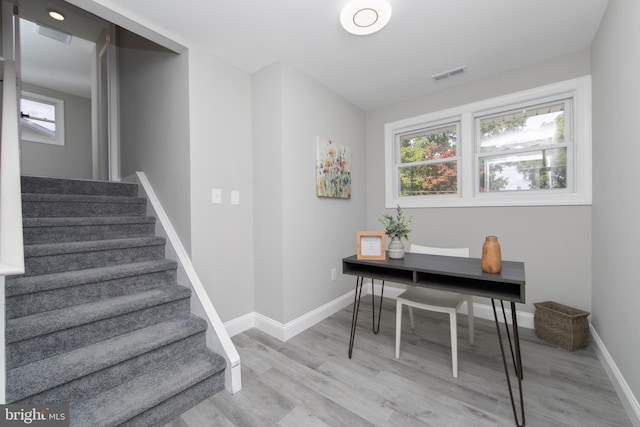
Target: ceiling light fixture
[
  {"x": 55, "y": 15},
  {"x": 363, "y": 17}
]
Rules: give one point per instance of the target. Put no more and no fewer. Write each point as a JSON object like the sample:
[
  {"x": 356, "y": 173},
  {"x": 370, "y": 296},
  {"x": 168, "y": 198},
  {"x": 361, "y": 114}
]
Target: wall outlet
[{"x": 333, "y": 274}]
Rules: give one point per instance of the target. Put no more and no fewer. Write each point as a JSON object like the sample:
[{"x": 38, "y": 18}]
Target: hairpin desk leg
[
  {"x": 515, "y": 355},
  {"x": 356, "y": 308},
  {"x": 373, "y": 304}
]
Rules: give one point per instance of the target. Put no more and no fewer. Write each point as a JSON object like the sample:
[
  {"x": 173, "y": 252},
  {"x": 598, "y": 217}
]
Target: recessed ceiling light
[
  {"x": 55, "y": 15},
  {"x": 362, "y": 17}
]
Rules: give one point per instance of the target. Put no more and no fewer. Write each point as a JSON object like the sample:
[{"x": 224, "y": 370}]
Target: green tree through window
[{"x": 429, "y": 162}]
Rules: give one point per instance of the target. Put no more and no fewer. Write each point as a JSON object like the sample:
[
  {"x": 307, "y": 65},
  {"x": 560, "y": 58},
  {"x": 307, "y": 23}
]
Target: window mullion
[{"x": 467, "y": 164}]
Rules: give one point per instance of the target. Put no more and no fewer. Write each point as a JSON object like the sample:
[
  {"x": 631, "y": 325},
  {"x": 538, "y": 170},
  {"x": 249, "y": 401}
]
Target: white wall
[
  {"x": 554, "y": 242},
  {"x": 154, "y": 133},
  {"x": 73, "y": 160},
  {"x": 221, "y": 157},
  {"x": 311, "y": 235},
  {"x": 616, "y": 203}
]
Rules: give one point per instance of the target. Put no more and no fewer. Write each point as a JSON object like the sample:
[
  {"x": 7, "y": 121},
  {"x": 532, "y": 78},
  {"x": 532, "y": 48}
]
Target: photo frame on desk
[{"x": 371, "y": 245}]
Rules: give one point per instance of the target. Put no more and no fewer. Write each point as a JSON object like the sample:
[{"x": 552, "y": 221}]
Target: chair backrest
[{"x": 429, "y": 250}]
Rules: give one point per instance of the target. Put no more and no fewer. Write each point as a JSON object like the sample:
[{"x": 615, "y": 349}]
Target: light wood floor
[{"x": 310, "y": 381}]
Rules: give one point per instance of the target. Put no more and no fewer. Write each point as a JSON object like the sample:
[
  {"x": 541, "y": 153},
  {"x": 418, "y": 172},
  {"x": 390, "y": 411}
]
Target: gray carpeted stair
[
  {"x": 58, "y": 230},
  {"x": 98, "y": 319}
]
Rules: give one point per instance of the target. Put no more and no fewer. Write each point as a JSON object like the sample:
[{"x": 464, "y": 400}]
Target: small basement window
[{"x": 41, "y": 119}]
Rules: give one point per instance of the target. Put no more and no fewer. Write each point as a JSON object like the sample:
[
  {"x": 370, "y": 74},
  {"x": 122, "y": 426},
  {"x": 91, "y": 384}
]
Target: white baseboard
[
  {"x": 627, "y": 397},
  {"x": 284, "y": 331},
  {"x": 240, "y": 324}
]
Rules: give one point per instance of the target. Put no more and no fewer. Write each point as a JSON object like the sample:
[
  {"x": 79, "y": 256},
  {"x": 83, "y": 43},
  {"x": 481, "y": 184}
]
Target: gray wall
[
  {"x": 616, "y": 203},
  {"x": 73, "y": 160},
  {"x": 299, "y": 237},
  {"x": 554, "y": 242},
  {"x": 221, "y": 157},
  {"x": 154, "y": 128},
  {"x": 268, "y": 222}
]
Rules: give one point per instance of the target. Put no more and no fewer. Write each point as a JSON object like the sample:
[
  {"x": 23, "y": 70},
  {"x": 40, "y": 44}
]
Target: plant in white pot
[{"x": 397, "y": 228}]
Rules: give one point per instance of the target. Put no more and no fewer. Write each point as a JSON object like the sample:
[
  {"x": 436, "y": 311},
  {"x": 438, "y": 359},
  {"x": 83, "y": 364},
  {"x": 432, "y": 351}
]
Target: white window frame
[
  {"x": 455, "y": 122},
  {"x": 578, "y": 89},
  {"x": 59, "y": 138}
]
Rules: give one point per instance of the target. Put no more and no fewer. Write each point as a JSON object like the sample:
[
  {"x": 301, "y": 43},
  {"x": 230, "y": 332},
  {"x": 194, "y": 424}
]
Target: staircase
[{"x": 97, "y": 319}]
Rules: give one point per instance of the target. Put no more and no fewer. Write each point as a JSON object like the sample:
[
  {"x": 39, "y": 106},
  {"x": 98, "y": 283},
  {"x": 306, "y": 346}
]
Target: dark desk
[{"x": 461, "y": 275}]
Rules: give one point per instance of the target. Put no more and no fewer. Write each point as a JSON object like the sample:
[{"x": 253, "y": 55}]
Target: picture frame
[
  {"x": 371, "y": 245},
  {"x": 333, "y": 169}
]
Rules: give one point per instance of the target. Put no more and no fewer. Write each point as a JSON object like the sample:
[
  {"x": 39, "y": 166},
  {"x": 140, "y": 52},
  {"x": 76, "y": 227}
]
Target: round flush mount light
[
  {"x": 55, "y": 15},
  {"x": 362, "y": 17}
]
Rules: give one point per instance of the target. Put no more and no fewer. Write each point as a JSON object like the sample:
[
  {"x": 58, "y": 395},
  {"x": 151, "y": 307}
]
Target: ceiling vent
[{"x": 447, "y": 74}]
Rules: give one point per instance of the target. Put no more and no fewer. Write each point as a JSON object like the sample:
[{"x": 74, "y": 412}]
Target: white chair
[{"x": 435, "y": 300}]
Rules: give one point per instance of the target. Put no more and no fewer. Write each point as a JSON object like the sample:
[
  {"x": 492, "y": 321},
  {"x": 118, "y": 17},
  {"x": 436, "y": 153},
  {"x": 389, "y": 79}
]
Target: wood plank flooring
[{"x": 310, "y": 381}]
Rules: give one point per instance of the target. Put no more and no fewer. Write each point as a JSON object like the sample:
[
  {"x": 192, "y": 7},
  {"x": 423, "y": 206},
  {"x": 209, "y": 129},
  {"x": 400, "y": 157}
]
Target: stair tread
[
  {"x": 121, "y": 403},
  {"x": 25, "y": 285},
  {"x": 26, "y": 327},
  {"x": 38, "y": 184},
  {"x": 80, "y": 198},
  {"x": 42, "y": 249},
  {"x": 51, "y": 372},
  {"x": 86, "y": 221}
]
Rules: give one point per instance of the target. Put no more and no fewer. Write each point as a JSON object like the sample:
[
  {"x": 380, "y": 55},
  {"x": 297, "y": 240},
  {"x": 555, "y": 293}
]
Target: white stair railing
[
  {"x": 218, "y": 338},
  {"x": 11, "y": 244}
]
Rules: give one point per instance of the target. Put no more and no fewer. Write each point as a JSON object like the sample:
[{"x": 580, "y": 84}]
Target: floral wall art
[{"x": 333, "y": 170}]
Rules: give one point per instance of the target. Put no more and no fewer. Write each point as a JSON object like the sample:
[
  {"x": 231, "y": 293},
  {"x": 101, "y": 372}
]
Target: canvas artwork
[{"x": 333, "y": 170}]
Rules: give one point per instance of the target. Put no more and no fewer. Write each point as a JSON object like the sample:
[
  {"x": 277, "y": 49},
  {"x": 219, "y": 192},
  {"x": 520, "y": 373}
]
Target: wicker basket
[{"x": 561, "y": 325}]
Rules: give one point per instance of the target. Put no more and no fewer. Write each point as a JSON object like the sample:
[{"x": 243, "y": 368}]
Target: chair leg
[
  {"x": 470, "y": 318},
  {"x": 454, "y": 343},
  {"x": 398, "y": 327},
  {"x": 413, "y": 324}
]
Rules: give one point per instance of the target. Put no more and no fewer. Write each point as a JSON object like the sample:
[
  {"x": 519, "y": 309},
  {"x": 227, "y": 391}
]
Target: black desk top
[{"x": 455, "y": 274}]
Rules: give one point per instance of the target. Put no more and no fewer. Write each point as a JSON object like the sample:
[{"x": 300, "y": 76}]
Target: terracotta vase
[
  {"x": 396, "y": 248},
  {"x": 491, "y": 255}
]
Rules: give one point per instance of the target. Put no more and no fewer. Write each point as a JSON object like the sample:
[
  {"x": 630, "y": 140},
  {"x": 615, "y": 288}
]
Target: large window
[
  {"x": 42, "y": 119},
  {"x": 527, "y": 148}
]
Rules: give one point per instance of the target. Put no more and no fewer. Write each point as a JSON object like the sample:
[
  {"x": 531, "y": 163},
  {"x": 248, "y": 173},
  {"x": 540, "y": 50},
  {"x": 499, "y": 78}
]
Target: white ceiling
[
  {"x": 423, "y": 38},
  {"x": 53, "y": 64}
]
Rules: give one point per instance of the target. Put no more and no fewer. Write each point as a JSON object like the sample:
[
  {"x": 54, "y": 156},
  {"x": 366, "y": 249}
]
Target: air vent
[{"x": 447, "y": 74}]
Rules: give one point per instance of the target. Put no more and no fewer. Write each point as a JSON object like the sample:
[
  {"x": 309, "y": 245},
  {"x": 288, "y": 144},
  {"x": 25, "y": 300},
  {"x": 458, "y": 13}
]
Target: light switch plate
[
  {"x": 216, "y": 196},
  {"x": 235, "y": 197}
]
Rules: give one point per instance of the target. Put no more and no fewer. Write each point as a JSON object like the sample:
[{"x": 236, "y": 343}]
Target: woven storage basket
[{"x": 561, "y": 325}]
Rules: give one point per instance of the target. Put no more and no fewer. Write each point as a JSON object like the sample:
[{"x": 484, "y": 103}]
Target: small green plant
[{"x": 396, "y": 226}]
